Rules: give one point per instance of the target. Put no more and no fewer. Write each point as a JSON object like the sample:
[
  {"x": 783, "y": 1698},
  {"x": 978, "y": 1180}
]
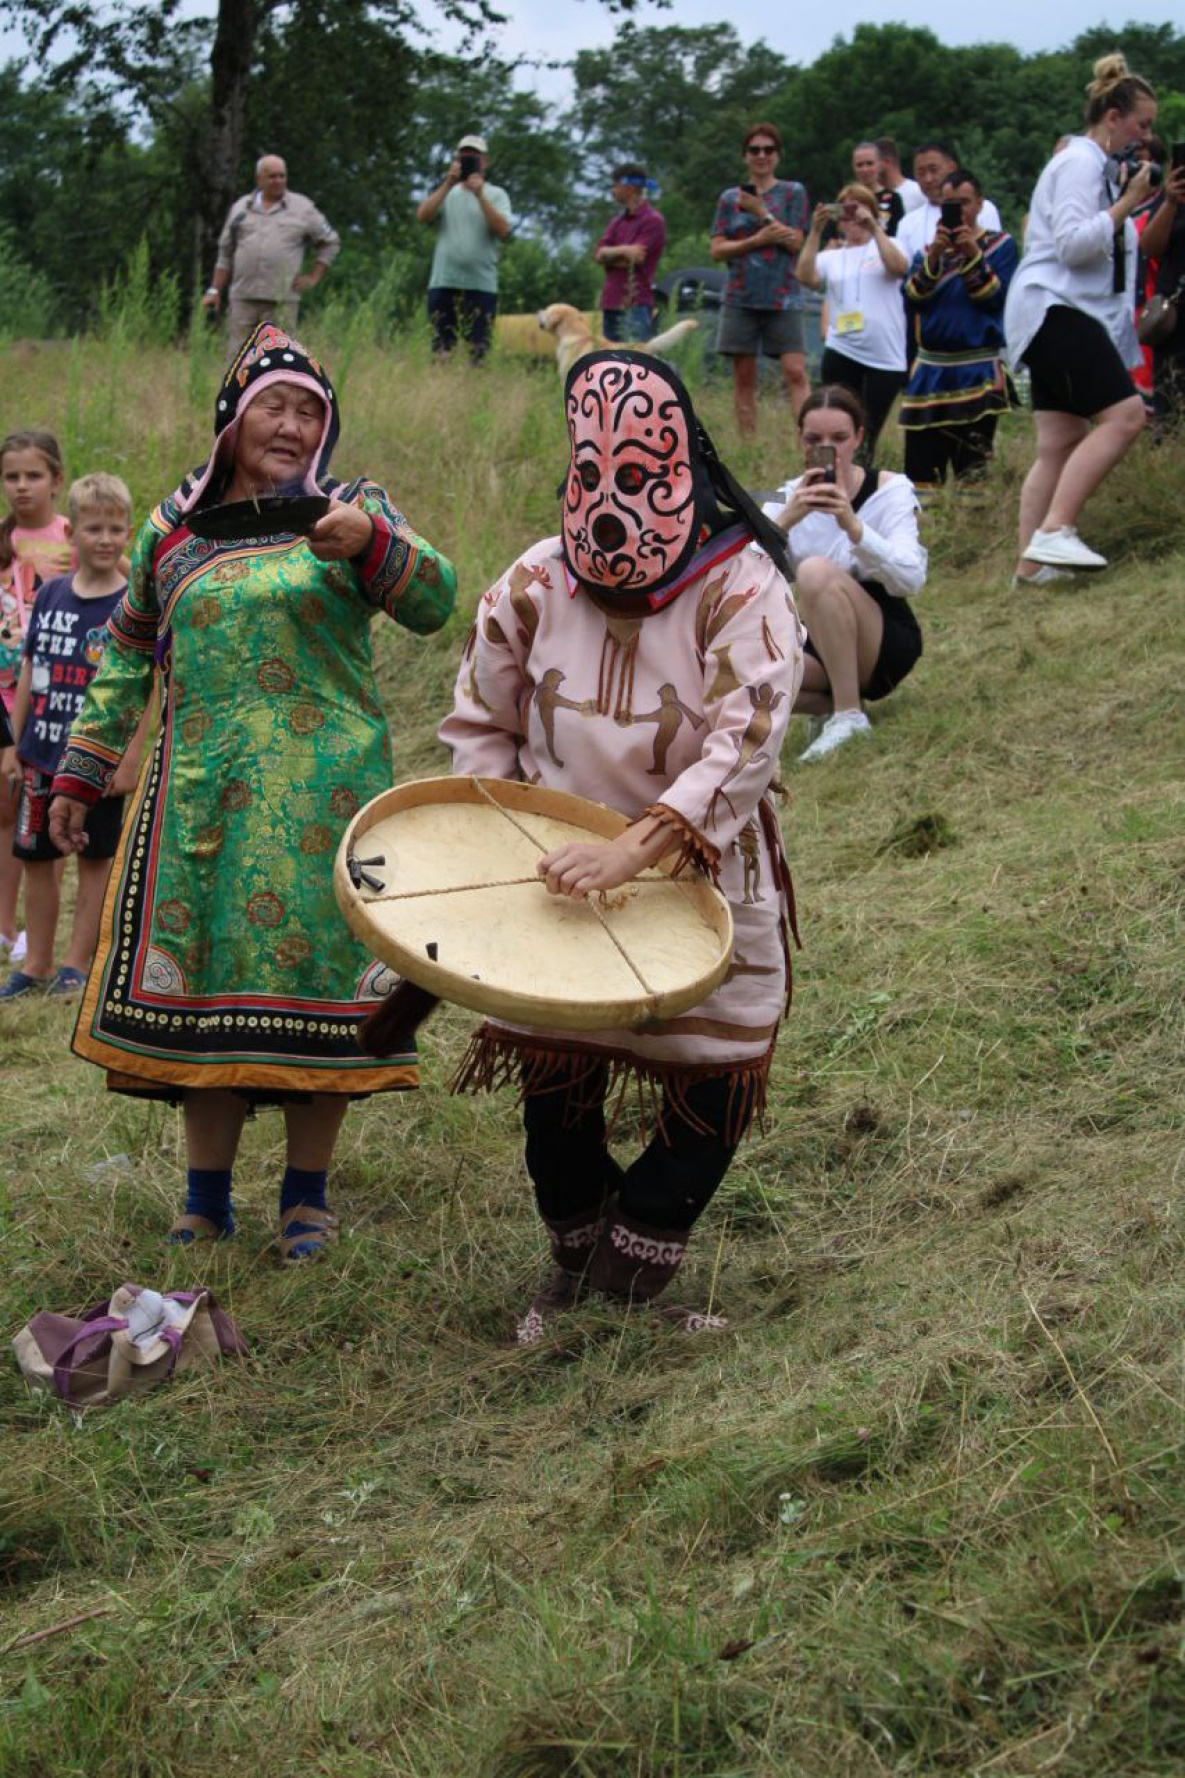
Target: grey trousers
[{"x": 243, "y": 314}]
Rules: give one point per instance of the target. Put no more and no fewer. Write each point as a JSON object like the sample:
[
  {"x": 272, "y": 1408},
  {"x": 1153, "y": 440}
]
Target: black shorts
[
  {"x": 1074, "y": 366},
  {"x": 31, "y": 841},
  {"x": 901, "y": 643}
]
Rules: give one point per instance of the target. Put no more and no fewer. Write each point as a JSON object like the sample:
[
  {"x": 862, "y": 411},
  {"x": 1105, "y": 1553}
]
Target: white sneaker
[
  {"x": 1062, "y": 549},
  {"x": 1042, "y": 577},
  {"x": 20, "y": 948},
  {"x": 837, "y": 729}
]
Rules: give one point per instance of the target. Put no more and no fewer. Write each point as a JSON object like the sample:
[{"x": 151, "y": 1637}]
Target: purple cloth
[
  {"x": 765, "y": 279},
  {"x": 632, "y": 286}
]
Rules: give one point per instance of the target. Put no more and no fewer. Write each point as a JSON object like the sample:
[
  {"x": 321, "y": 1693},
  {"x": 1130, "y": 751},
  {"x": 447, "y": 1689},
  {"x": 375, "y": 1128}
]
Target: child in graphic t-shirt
[
  {"x": 33, "y": 545},
  {"x": 64, "y": 640}
]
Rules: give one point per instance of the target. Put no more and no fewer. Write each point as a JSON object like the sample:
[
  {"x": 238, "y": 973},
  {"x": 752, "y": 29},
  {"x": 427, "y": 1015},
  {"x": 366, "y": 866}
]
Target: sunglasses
[{"x": 761, "y": 148}]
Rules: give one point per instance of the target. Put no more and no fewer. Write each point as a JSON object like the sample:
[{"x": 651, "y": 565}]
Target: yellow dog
[{"x": 574, "y": 337}]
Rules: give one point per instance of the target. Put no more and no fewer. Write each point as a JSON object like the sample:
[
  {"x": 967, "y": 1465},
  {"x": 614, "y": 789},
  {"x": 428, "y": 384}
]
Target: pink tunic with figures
[{"x": 680, "y": 711}]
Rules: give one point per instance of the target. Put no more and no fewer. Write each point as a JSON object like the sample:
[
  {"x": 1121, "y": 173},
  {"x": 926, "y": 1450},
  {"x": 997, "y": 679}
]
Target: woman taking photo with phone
[
  {"x": 865, "y": 345},
  {"x": 852, "y": 533},
  {"x": 1070, "y": 318}
]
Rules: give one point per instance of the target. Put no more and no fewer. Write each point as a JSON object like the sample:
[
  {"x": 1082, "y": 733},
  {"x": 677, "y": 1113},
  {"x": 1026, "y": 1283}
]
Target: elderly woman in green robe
[{"x": 225, "y": 976}]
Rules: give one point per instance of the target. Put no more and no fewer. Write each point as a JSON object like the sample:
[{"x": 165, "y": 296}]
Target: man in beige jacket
[{"x": 261, "y": 253}]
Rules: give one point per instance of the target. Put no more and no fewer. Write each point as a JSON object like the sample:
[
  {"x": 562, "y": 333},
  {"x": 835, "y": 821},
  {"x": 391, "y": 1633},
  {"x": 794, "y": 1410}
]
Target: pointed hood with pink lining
[{"x": 268, "y": 355}]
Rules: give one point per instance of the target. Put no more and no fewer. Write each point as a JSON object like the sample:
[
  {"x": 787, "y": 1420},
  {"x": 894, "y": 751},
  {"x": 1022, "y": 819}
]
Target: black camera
[
  {"x": 1126, "y": 163},
  {"x": 470, "y": 162}
]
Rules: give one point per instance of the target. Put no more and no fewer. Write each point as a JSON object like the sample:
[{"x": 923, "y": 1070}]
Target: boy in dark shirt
[{"x": 63, "y": 646}]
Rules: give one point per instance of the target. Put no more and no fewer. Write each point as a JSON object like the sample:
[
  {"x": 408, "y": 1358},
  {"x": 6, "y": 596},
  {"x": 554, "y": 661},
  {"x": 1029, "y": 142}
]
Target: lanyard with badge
[{"x": 850, "y": 314}]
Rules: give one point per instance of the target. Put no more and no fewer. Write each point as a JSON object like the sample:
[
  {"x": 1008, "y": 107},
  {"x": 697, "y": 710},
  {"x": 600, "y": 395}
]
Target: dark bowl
[{"x": 272, "y": 515}]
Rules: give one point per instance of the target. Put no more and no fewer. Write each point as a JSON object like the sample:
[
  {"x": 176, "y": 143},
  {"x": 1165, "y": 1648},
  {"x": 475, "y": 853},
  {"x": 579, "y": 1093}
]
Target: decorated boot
[
  {"x": 573, "y": 1242},
  {"x": 635, "y": 1262}
]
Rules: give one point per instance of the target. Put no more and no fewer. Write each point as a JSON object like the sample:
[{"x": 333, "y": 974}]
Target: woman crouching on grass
[
  {"x": 679, "y": 653},
  {"x": 857, "y": 561}
]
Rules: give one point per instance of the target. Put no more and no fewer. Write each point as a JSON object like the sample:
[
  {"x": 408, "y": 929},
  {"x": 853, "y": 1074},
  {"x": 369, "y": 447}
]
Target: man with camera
[
  {"x": 933, "y": 164},
  {"x": 474, "y": 218},
  {"x": 954, "y": 299}
]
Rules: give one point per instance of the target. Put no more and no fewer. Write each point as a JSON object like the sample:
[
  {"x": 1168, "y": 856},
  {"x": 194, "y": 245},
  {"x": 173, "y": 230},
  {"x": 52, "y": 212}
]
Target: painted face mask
[{"x": 645, "y": 492}]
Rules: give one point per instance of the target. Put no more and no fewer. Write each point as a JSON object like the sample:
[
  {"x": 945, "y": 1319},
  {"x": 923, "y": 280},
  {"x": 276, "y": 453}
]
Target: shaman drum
[{"x": 438, "y": 879}]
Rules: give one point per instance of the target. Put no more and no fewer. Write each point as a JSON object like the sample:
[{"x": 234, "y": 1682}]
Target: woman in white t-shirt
[
  {"x": 865, "y": 345},
  {"x": 858, "y": 562}
]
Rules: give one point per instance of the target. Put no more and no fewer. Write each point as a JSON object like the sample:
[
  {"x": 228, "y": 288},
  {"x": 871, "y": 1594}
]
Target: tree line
[{"x": 127, "y": 128}]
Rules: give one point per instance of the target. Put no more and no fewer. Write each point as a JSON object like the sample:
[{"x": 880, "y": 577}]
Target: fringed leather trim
[
  {"x": 693, "y": 848},
  {"x": 500, "y": 1058},
  {"x": 788, "y": 924}
]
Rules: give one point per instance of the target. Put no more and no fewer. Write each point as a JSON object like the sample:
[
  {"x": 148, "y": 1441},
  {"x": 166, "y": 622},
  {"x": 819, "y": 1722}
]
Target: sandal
[
  {"x": 190, "y": 1228},
  {"x": 66, "y": 983},
  {"x": 305, "y": 1233}
]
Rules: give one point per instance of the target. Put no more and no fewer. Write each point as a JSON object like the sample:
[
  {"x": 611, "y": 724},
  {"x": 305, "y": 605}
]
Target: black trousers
[
  {"x": 965, "y": 450},
  {"x": 468, "y": 314},
  {"x": 877, "y": 389},
  {"x": 668, "y": 1186}
]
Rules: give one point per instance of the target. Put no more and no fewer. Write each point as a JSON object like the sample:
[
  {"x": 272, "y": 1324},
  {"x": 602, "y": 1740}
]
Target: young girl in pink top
[{"x": 34, "y": 545}]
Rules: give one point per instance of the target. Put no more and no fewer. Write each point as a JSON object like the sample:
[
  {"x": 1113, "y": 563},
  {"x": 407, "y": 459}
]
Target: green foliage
[
  {"x": 27, "y": 308},
  {"x": 531, "y": 275},
  {"x": 138, "y": 309}
]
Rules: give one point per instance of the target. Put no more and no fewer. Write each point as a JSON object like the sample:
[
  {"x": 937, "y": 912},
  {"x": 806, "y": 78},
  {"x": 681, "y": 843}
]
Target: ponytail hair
[
  {"x": 1114, "y": 88},
  {"x": 27, "y": 439}
]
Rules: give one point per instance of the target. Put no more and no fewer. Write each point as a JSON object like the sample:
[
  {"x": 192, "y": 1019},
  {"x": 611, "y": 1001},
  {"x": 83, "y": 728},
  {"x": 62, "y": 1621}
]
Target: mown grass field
[{"x": 916, "y": 1512}]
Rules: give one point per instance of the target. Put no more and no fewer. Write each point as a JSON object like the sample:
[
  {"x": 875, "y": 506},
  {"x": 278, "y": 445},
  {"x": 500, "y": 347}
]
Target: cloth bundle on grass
[{"x": 126, "y": 1346}]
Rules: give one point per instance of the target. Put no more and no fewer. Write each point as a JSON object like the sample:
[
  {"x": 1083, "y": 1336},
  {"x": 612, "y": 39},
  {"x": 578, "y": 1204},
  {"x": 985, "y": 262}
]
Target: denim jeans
[{"x": 624, "y": 325}]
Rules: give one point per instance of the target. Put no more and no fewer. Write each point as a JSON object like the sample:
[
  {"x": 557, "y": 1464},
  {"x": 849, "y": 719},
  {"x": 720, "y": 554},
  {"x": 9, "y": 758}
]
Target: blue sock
[
  {"x": 300, "y": 1187},
  {"x": 207, "y": 1193}
]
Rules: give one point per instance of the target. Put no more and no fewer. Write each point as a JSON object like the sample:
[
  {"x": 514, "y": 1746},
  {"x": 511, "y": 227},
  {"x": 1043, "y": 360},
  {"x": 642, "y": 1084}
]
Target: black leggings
[
  {"x": 877, "y": 389},
  {"x": 668, "y": 1186},
  {"x": 965, "y": 450}
]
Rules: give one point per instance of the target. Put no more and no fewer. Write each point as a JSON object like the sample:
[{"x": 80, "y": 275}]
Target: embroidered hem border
[{"x": 301, "y": 1047}]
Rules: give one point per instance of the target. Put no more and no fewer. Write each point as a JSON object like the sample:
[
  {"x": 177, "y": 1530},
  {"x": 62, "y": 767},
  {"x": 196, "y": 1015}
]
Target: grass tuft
[{"x": 914, "y": 1512}]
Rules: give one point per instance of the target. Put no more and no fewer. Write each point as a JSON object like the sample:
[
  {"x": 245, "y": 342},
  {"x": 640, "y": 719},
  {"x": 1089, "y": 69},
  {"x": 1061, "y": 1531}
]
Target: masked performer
[
  {"x": 224, "y": 974},
  {"x": 680, "y": 654}
]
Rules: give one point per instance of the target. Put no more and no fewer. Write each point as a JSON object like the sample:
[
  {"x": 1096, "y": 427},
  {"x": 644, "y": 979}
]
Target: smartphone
[
  {"x": 822, "y": 457},
  {"x": 952, "y": 214},
  {"x": 749, "y": 190},
  {"x": 1178, "y": 155}
]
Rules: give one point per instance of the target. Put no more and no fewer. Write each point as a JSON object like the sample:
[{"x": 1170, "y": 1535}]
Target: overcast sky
[
  {"x": 553, "y": 30},
  {"x": 556, "y": 29}
]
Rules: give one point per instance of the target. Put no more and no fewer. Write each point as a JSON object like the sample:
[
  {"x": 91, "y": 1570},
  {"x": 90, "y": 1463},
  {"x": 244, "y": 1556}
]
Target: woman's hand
[
  {"x": 67, "y": 824},
  {"x": 820, "y": 217},
  {"x": 802, "y": 501},
  {"x": 1139, "y": 187},
  {"x": 828, "y": 497},
  {"x": 583, "y": 868},
  {"x": 345, "y": 531}
]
